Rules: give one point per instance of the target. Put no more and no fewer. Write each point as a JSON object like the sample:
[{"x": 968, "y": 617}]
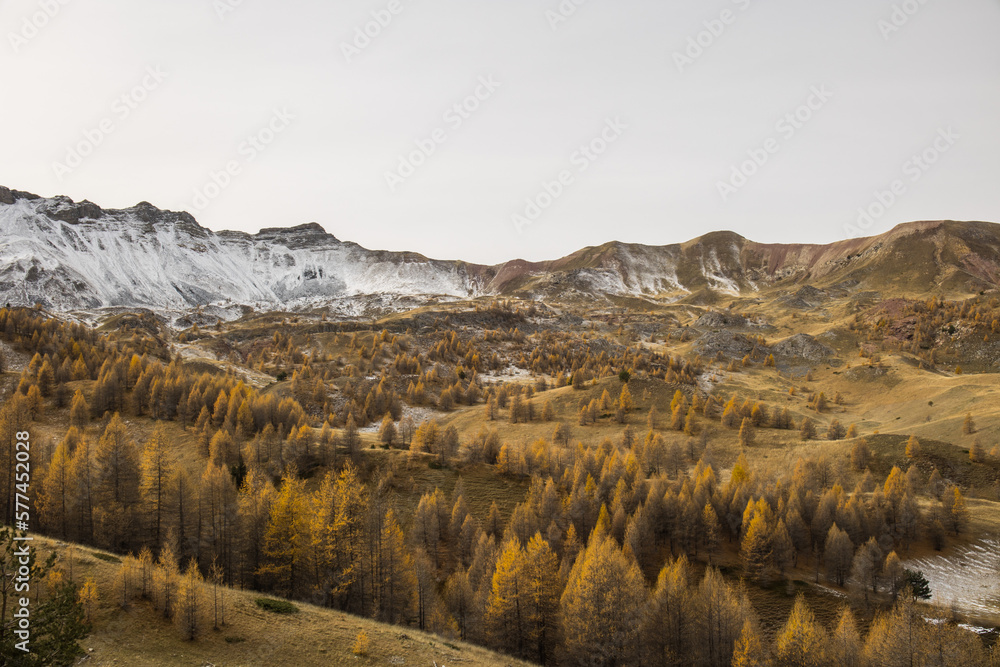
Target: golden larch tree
[
  {"x": 157, "y": 467},
  {"x": 602, "y": 604},
  {"x": 802, "y": 641},
  {"x": 286, "y": 539}
]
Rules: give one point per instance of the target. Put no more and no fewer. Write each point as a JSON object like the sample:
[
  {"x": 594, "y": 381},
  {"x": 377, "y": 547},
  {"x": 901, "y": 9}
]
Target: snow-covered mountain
[{"x": 72, "y": 256}]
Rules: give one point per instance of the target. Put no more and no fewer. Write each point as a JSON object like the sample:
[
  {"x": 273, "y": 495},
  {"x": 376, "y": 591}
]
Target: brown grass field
[{"x": 139, "y": 636}]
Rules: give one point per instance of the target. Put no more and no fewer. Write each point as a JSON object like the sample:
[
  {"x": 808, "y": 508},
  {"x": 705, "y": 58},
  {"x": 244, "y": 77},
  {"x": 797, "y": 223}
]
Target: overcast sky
[{"x": 777, "y": 119}]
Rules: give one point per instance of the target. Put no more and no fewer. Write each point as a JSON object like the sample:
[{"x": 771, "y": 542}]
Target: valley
[{"x": 688, "y": 454}]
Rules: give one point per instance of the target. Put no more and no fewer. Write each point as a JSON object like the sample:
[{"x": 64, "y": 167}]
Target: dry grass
[{"x": 315, "y": 636}]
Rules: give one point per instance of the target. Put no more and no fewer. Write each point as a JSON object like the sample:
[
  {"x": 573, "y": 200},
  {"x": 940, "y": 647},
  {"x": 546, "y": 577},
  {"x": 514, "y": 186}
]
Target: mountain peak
[
  {"x": 8, "y": 196},
  {"x": 309, "y": 227}
]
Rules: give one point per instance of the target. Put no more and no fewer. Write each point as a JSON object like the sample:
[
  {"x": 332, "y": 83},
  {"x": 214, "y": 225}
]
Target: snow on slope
[
  {"x": 69, "y": 255},
  {"x": 72, "y": 256}
]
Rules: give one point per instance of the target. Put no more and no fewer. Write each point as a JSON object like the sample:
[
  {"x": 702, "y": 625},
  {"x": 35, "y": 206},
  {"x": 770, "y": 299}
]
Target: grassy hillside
[{"x": 138, "y": 635}]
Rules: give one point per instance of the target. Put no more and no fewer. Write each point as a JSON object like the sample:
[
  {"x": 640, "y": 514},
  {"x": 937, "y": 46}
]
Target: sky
[{"x": 488, "y": 131}]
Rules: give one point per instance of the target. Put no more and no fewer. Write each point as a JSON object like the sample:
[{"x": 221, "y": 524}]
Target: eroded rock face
[
  {"x": 731, "y": 345},
  {"x": 802, "y": 346},
  {"x": 717, "y": 320},
  {"x": 67, "y": 255},
  {"x": 65, "y": 209},
  {"x": 8, "y": 196},
  {"x": 64, "y": 254}
]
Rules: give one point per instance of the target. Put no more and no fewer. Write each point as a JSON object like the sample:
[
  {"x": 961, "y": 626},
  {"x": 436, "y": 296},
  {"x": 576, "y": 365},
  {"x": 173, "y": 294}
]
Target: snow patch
[{"x": 968, "y": 579}]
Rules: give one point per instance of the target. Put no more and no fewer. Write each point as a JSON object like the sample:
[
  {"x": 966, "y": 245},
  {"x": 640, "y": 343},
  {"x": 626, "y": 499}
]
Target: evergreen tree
[
  {"x": 253, "y": 514},
  {"x": 57, "y": 624},
  {"x": 918, "y": 584}
]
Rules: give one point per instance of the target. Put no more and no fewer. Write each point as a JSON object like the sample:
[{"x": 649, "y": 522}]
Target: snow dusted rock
[
  {"x": 731, "y": 345},
  {"x": 70, "y": 255},
  {"x": 722, "y": 320},
  {"x": 802, "y": 346}
]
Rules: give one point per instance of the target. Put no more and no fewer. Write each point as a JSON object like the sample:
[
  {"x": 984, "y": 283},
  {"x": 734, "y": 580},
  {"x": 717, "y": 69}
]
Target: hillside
[{"x": 139, "y": 635}]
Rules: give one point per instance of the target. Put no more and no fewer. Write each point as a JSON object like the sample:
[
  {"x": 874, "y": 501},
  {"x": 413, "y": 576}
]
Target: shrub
[
  {"x": 106, "y": 557},
  {"x": 361, "y": 644},
  {"x": 277, "y": 606}
]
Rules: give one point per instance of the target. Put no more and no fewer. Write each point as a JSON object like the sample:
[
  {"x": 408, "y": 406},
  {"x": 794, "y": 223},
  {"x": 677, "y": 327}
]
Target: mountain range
[{"x": 71, "y": 255}]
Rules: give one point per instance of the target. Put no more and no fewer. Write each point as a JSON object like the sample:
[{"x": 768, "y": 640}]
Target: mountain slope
[
  {"x": 139, "y": 636},
  {"x": 70, "y": 255},
  {"x": 920, "y": 257}
]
